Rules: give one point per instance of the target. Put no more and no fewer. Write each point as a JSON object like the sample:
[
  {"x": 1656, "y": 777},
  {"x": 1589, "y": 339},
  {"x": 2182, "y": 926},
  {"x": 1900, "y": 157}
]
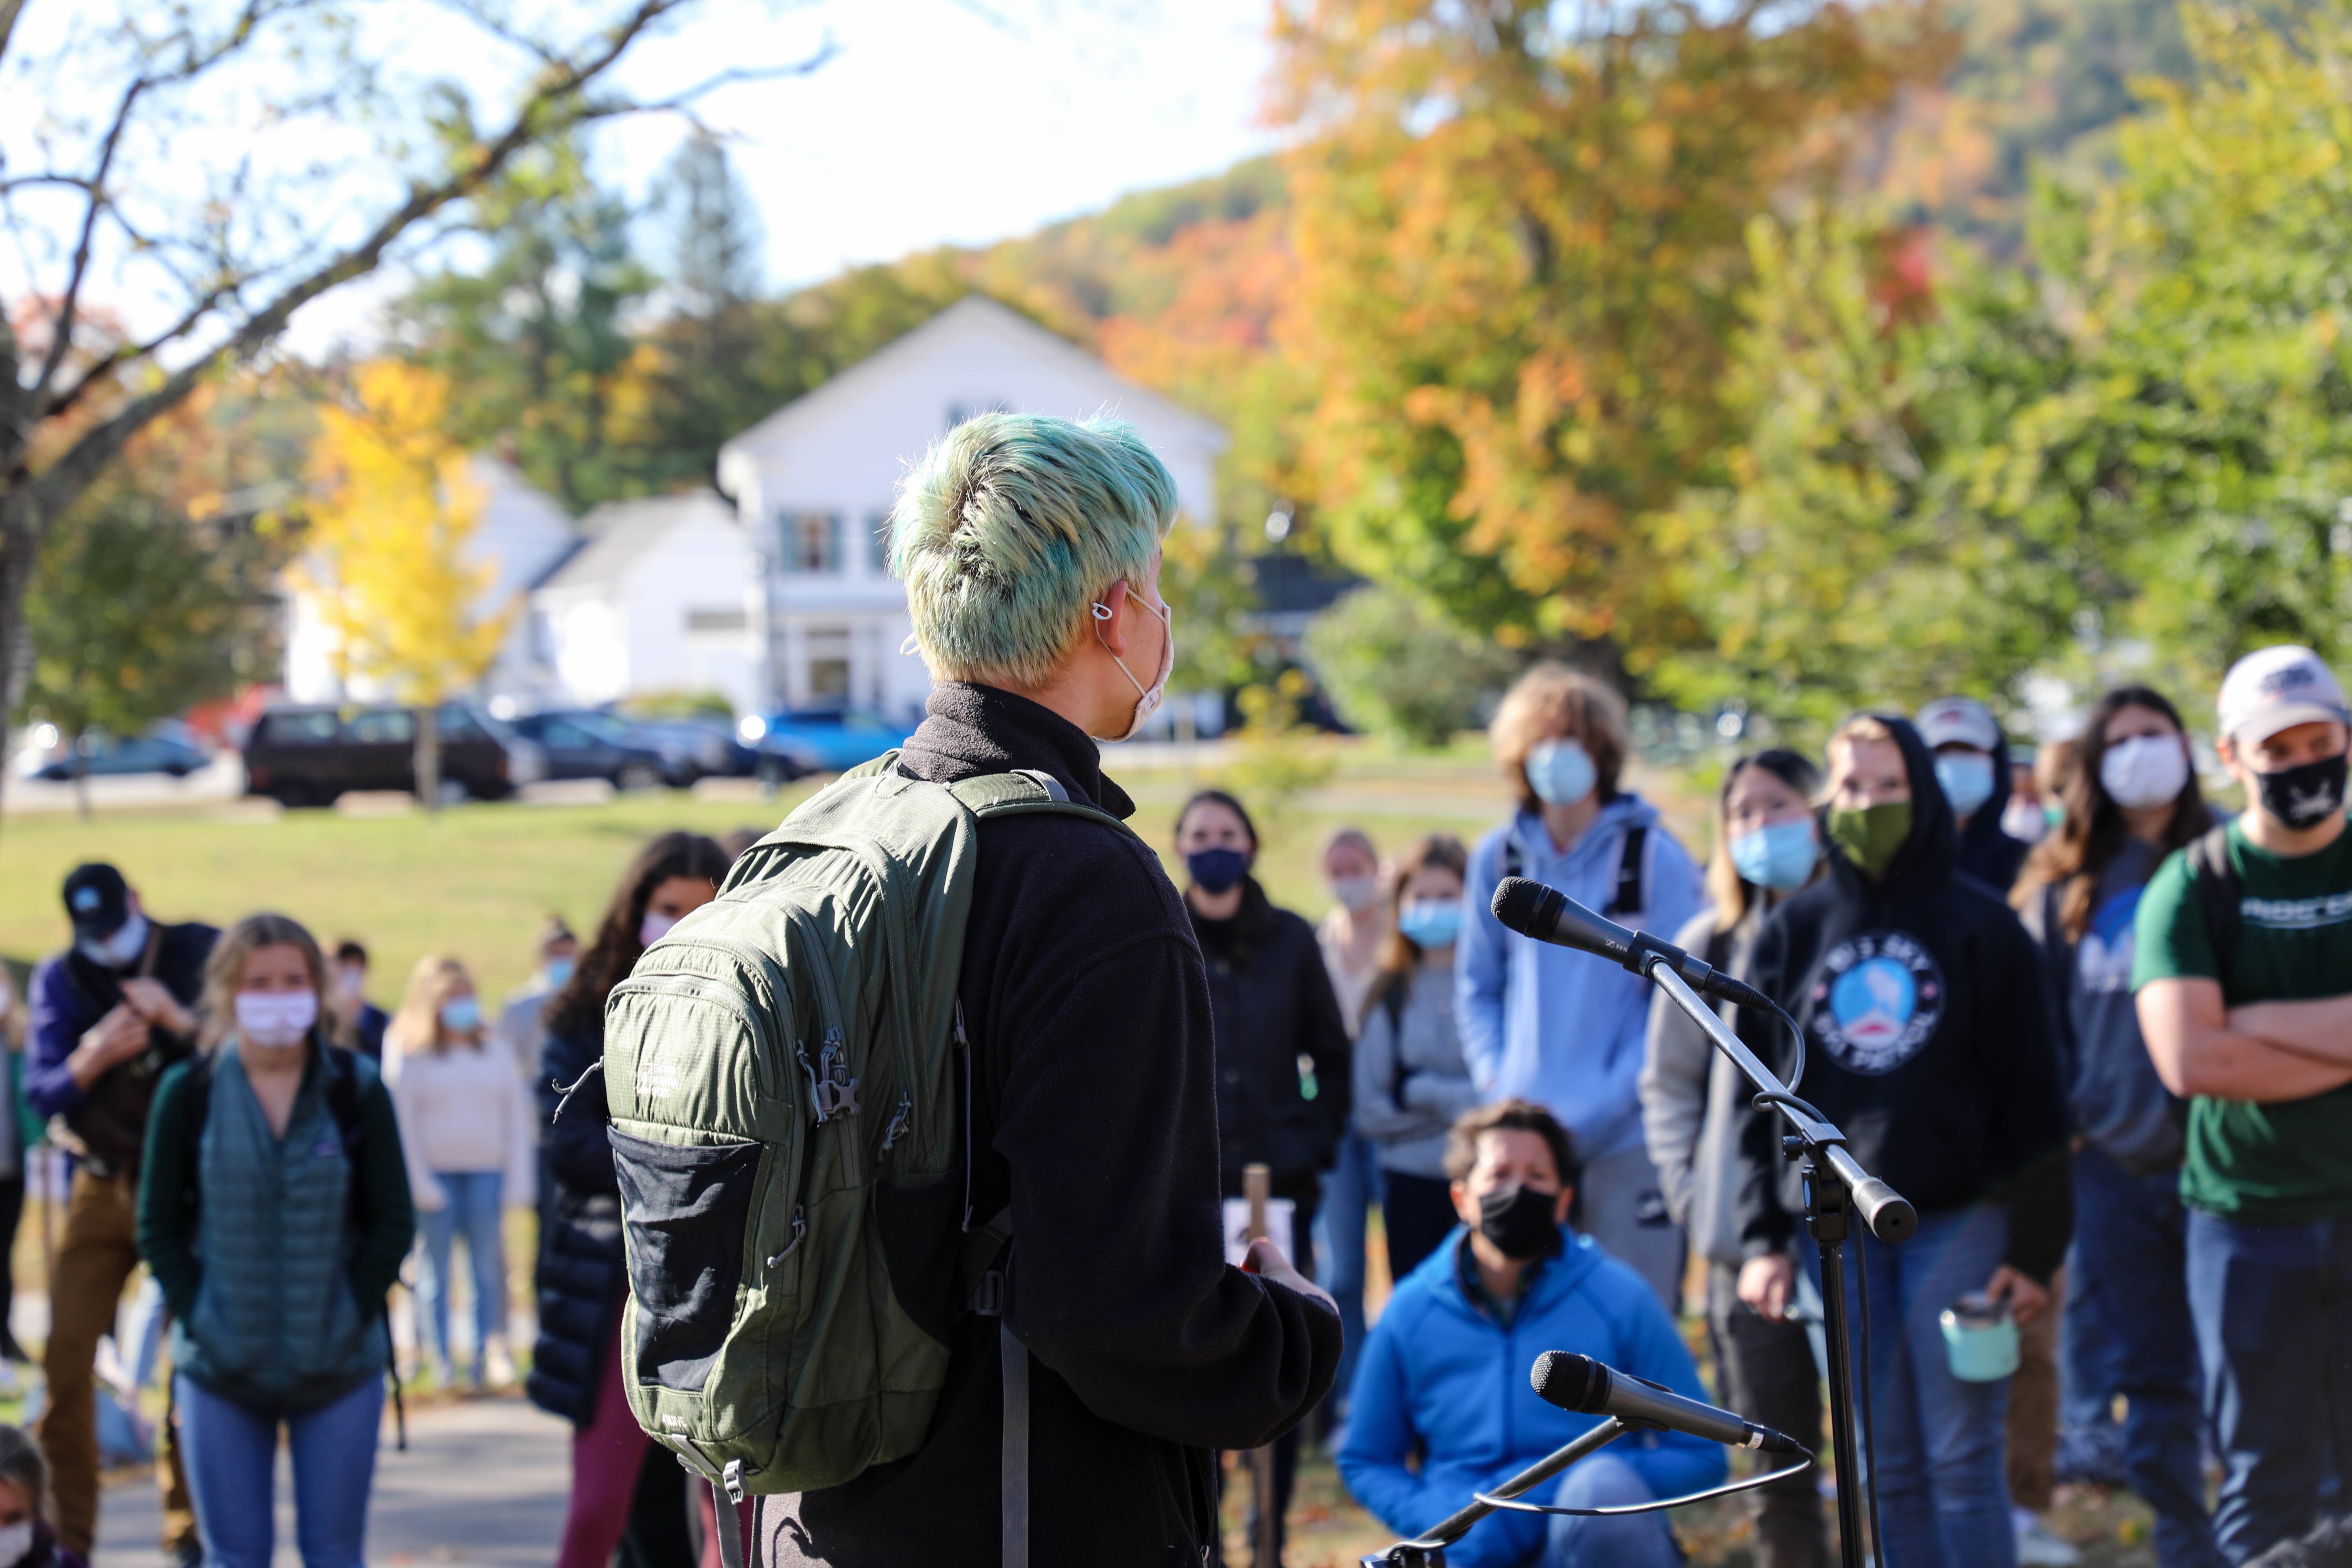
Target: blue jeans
[
  {"x": 472, "y": 1211},
  {"x": 1351, "y": 1187},
  {"x": 1634, "y": 1541},
  {"x": 231, "y": 1455},
  {"x": 2272, "y": 1305},
  {"x": 1943, "y": 1493},
  {"x": 2129, "y": 1331}
]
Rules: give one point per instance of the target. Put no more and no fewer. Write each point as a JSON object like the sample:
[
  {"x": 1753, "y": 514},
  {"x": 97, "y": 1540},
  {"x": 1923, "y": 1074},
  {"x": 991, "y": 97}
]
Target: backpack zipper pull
[
  {"x": 800, "y": 1231},
  {"x": 898, "y": 1124},
  {"x": 816, "y": 1091},
  {"x": 836, "y": 1092}
]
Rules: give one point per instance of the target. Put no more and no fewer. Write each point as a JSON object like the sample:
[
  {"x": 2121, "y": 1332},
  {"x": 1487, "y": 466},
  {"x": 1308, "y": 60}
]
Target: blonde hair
[
  {"x": 224, "y": 970},
  {"x": 1551, "y": 701},
  {"x": 417, "y": 1026}
]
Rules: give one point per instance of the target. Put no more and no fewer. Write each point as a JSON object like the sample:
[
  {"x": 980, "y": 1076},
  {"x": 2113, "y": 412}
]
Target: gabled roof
[
  {"x": 617, "y": 534},
  {"x": 974, "y": 312}
]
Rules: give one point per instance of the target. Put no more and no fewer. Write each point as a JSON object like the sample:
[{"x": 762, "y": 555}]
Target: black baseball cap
[{"x": 97, "y": 900}]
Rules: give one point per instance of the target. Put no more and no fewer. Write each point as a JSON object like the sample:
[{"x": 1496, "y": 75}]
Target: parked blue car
[{"x": 823, "y": 739}]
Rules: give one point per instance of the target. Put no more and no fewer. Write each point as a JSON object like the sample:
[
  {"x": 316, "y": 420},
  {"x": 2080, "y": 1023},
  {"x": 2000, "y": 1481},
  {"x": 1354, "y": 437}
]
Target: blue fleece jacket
[
  {"x": 1440, "y": 1376},
  {"x": 1564, "y": 1029}
]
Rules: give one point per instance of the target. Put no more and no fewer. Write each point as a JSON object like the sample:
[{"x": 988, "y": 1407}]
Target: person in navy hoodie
[{"x": 1442, "y": 1408}]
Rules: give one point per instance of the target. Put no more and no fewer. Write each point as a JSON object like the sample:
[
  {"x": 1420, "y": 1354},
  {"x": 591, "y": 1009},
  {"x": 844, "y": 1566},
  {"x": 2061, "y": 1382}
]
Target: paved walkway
[{"x": 482, "y": 1482}]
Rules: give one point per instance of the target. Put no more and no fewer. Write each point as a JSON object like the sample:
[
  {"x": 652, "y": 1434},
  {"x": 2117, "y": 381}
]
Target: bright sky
[{"x": 931, "y": 124}]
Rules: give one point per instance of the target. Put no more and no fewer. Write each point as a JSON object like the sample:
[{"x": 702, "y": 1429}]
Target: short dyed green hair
[{"x": 1011, "y": 527}]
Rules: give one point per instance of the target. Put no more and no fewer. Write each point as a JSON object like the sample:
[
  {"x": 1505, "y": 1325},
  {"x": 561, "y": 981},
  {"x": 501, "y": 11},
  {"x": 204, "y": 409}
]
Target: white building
[
  {"x": 814, "y": 481},
  {"x": 521, "y": 533},
  {"x": 661, "y": 595}
]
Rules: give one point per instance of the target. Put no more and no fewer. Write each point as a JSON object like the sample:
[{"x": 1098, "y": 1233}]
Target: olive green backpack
[{"x": 788, "y": 1119}]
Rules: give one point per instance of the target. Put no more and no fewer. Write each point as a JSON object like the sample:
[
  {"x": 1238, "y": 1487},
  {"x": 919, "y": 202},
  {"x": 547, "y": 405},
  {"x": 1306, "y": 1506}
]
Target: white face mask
[
  {"x": 1147, "y": 698},
  {"x": 15, "y": 1542},
  {"x": 654, "y": 927},
  {"x": 2145, "y": 771},
  {"x": 1356, "y": 894},
  {"x": 275, "y": 1019},
  {"x": 123, "y": 949},
  {"x": 2024, "y": 820}
]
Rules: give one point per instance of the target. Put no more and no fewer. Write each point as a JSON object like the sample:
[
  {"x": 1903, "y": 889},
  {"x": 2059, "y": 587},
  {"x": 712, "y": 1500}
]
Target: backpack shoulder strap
[
  {"x": 1027, "y": 792},
  {"x": 2220, "y": 893},
  {"x": 1514, "y": 863},
  {"x": 1628, "y": 898}
]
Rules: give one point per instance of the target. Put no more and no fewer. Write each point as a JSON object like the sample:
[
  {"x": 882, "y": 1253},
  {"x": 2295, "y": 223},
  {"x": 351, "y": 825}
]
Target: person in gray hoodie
[
  {"x": 1410, "y": 1079},
  {"x": 1693, "y": 1102}
]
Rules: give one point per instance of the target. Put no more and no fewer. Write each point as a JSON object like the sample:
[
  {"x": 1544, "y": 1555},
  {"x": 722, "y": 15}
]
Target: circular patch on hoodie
[{"x": 1877, "y": 1002}]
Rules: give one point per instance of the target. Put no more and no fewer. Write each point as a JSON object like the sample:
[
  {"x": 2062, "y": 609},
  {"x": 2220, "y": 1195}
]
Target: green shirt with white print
[{"x": 2289, "y": 1161}]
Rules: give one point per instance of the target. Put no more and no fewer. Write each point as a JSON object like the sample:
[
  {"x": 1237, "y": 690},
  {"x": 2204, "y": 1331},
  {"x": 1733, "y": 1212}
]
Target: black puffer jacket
[
  {"x": 1930, "y": 1037},
  {"x": 581, "y": 1278},
  {"x": 1270, "y": 998}
]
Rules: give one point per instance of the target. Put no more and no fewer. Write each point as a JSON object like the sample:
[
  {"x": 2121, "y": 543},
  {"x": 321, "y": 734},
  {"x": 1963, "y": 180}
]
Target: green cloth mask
[{"x": 1871, "y": 836}]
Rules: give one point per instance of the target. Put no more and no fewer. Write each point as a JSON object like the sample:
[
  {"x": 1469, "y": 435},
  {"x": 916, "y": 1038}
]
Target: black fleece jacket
[
  {"x": 1095, "y": 1115},
  {"x": 1929, "y": 1040}
]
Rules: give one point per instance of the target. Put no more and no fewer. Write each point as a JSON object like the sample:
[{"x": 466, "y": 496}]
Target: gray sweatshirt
[
  {"x": 1410, "y": 1079},
  {"x": 1694, "y": 1101}
]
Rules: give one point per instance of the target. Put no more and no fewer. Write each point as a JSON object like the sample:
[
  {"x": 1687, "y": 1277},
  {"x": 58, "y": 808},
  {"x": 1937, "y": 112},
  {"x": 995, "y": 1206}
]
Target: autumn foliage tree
[
  {"x": 1522, "y": 250},
  {"x": 388, "y": 552}
]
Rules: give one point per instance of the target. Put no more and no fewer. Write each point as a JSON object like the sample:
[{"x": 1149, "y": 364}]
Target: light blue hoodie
[
  {"x": 1549, "y": 1024},
  {"x": 1442, "y": 1378}
]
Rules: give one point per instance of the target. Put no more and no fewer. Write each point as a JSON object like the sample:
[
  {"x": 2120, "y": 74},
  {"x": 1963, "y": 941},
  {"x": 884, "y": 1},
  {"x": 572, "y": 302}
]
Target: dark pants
[
  {"x": 2272, "y": 1305},
  {"x": 2128, "y": 1298},
  {"x": 1768, "y": 1375},
  {"x": 1418, "y": 1212}
]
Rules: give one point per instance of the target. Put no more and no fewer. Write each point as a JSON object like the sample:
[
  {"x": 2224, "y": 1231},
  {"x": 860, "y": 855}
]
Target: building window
[
  {"x": 812, "y": 542},
  {"x": 721, "y": 619},
  {"x": 828, "y": 665}
]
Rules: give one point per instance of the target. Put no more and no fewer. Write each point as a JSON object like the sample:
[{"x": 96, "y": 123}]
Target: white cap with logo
[
  {"x": 1959, "y": 721},
  {"x": 2276, "y": 689}
]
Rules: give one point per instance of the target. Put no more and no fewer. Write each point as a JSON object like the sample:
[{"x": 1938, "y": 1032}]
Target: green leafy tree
[{"x": 1396, "y": 669}]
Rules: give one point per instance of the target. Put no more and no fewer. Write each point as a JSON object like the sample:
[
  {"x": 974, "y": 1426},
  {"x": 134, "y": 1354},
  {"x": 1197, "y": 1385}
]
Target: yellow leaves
[{"x": 389, "y": 543}]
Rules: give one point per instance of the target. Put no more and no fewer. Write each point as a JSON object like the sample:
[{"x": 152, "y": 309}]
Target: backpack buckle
[
  {"x": 987, "y": 1301},
  {"x": 733, "y": 1477},
  {"x": 836, "y": 1096}
]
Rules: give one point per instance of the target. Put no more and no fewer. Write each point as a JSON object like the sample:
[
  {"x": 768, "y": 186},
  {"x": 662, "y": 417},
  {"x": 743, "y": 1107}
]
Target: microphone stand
[
  {"x": 1837, "y": 1186},
  {"x": 1429, "y": 1551}
]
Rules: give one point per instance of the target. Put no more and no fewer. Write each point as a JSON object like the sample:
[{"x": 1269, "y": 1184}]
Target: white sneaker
[{"x": 2038, "y": 1546}]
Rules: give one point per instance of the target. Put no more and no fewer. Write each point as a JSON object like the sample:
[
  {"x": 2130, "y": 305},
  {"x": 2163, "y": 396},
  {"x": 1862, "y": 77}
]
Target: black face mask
[
  {"x": 2304, "y": 796},
  {"x": 1518, "y": 1221}
]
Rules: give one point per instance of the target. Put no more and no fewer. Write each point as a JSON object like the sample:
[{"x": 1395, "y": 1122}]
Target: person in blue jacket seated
[{"x": 1442, "y": 1408}]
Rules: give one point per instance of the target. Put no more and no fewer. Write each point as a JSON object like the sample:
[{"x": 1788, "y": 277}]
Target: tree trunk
[{"x": 428, "y": 756}]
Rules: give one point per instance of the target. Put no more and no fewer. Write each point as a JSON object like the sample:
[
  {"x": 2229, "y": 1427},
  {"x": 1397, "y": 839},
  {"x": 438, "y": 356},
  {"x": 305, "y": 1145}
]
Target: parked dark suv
[
  {"x": 308, "y": 756},
  {"x": 589, "y": 743}
]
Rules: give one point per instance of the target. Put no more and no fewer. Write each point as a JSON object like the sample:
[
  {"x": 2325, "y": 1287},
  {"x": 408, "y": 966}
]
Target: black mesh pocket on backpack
[{"x": 686, "y": 1208}]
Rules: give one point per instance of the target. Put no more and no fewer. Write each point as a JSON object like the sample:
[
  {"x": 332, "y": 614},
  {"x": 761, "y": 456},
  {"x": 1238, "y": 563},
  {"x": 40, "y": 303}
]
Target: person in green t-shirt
[{"x": 2255, "y": 1028}]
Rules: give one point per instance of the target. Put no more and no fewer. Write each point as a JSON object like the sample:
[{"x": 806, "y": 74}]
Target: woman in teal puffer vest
[{"x": 274, "y": 1210}]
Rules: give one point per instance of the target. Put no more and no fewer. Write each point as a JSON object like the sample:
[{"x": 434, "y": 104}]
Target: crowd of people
[{"x": 2097, "y": 1034}]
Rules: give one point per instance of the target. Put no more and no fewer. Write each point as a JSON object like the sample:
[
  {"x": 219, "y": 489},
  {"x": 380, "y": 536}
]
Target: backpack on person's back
[{"x": 789, "y": 1100}]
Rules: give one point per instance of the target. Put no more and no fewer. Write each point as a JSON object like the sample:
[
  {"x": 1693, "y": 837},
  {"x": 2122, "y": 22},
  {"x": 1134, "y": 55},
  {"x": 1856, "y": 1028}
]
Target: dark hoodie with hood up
[
  {"x": 1986, "y": 851},
  {"x": 1929, "y": 1040}
]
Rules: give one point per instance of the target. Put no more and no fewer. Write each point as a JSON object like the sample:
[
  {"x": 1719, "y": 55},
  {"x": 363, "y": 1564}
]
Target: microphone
[
  {"x": 1547, "y": 914},
  {"x": 1578, "y": 1382}
]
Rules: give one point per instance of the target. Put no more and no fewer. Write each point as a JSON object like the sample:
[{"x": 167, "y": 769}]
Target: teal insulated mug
[{"x": 1980, "y": 1339}]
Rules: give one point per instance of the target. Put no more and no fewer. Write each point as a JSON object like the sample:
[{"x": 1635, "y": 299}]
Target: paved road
[{"x": 482, "y": 1482}]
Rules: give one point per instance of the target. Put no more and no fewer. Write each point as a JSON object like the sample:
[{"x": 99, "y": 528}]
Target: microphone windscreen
[
  {"x": 1516, "y": 901},
  {"x": 1571, "y": 1382}
]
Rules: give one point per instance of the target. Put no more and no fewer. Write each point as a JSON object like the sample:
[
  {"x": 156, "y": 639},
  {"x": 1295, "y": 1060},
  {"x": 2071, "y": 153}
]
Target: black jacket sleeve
[
  {"x": 2019, "y": 1051},
  {"x": 1323, "y": 1039},
  {"x": 1765, "y": 1227},
  {"x": 167, "y": 1221},
  {"x": 1107, "y": 1119},
  {"x": 577, "y": 1150}
]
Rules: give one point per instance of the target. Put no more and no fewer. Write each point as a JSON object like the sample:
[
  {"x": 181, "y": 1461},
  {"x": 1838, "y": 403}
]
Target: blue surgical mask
[
  {"x": 558, "y": 971},
  {"x": 1967, "y": 778},
  {"x": 1431, "y": 923},
  {"x": 461, "y": 1014},
  {"x": 1216, "y": 870},
  {"x": 1780, "y": 855},
  {"x": 1560, "y": 772}
]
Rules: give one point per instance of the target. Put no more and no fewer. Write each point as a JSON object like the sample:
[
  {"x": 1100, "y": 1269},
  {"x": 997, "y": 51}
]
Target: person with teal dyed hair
[{"x": 1030, "y": 547}]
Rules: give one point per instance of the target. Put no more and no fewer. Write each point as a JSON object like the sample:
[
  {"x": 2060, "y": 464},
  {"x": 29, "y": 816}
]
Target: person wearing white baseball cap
[
  {"x": 2243, "y": 984},
  {"x": 1972, "y": 764}
]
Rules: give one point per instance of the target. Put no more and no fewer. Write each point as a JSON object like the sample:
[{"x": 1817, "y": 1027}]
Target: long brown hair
[
  {"x": 1399, "y": 954},
  {"x": 2093, "y": 831},
  {"x": 1726, "y": 888},
  {"x": 417, "y": 1026},
  {"x": 581, "y": 1003},
  {"x": 224, "y": 970}
]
